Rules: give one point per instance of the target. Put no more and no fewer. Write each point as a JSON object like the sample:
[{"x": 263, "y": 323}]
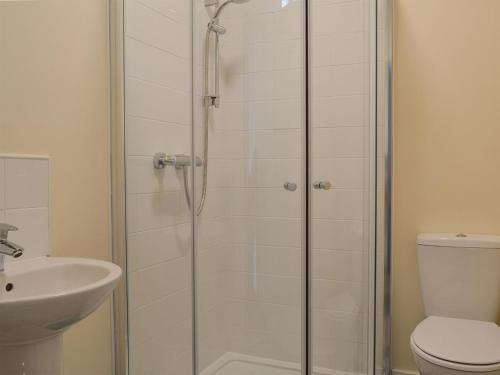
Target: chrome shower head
[{"x": 219, "y": 10}]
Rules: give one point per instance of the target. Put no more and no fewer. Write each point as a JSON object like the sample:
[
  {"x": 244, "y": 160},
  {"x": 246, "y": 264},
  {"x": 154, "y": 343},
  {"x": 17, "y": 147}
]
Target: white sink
[{"x": 42, "y": 297}]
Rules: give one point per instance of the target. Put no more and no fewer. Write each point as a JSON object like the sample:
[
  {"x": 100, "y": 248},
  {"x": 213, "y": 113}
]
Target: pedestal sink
[{"x": 39, "y": 299}]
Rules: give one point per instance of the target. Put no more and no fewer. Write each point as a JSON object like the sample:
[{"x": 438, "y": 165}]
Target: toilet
[{"x": 460, "y": 280}]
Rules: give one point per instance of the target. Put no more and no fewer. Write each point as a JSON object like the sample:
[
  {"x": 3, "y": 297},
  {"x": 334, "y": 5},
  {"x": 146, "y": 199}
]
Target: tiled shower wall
[
  {"x": 158, "y": 119},
  {"x": 249, "y": 235}
]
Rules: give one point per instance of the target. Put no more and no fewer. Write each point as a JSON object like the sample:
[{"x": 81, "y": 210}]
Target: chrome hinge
[{"x": 212, "y": 101}]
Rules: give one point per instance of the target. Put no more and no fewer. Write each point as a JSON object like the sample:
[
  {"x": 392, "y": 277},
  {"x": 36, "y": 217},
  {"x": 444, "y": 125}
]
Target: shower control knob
[
  {"x": 160, "y": 160},
  {"x": 290, "y": 186},
  {"x": 322, "y": 185}
]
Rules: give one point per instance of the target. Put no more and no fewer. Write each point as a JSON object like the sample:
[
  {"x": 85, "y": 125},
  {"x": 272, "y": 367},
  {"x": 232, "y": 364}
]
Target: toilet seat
[{"x": 465, "y": 345}]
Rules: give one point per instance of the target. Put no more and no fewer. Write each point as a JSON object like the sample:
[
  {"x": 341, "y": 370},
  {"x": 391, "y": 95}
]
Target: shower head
[{"x": 219, "y": 10}]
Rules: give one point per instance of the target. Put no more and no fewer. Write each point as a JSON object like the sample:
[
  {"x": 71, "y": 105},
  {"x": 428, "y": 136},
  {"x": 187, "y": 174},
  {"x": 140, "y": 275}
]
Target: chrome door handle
[
  {"x": 322, "y": 185},
  {"x": 290, "y": 186}
]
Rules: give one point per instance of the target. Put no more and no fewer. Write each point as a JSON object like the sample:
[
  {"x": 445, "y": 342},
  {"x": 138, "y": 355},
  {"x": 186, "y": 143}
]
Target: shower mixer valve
[{"x": 162, "y": 160}]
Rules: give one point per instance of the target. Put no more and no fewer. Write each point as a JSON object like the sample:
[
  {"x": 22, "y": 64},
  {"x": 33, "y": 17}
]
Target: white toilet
[{"x": 460, "y": 279}]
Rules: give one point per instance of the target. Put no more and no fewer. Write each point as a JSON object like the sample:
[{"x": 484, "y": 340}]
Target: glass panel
[
  {"x": 236, "y": 90},
  {"x": 249, "y": 236},
  {"x": 382, "y": 281},
  {"x": 342, "y": 151},
  {"x": 158, "y": 119}
]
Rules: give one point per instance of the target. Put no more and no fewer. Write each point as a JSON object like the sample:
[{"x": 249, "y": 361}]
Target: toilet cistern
[{"x": 460, "y": 280}]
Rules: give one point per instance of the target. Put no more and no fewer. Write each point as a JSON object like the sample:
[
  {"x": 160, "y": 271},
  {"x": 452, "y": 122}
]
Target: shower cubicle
[{"x": 256, "y": 165}]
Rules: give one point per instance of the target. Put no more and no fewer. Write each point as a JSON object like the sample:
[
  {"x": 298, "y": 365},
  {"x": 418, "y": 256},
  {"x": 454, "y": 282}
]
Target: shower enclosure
[{"x": 256, "y": 194}]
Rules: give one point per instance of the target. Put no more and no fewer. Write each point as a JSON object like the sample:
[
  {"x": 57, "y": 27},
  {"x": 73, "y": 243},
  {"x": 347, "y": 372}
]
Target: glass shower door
[
  {"x": 342, "y": 155},
  {"x": 250, "y": 246},
  {"x": 249, "y": 236}
]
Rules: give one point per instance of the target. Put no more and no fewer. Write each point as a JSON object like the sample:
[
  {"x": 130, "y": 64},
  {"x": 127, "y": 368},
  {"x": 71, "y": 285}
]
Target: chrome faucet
[{"x": 6, "y": 247}]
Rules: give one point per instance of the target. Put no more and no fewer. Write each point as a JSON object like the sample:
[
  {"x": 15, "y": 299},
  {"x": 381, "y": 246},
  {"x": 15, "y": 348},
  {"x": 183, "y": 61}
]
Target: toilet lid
[{"x": 462, "y": 341}]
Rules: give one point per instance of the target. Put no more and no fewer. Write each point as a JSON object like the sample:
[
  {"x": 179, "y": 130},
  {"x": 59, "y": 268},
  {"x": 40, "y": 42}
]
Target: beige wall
[
  {"x": 447, "y": 136},
  {"x": 54, "y": 101}
]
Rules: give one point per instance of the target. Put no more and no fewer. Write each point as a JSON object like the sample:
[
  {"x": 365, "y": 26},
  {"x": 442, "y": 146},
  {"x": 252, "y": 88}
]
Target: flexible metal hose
[{"x": 206, "y": 118}]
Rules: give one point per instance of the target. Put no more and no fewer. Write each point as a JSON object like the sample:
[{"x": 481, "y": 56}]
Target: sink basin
[{"x": 41, "y": 297}]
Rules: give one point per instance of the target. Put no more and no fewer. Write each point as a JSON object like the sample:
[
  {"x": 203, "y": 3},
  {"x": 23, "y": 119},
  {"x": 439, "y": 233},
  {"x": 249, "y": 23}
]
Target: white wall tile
[
  {"x": 338, "y": 296},
  {"x": 339, "y": 111},
  {"x": 26, "y": 183},
  {"x": 273, "y": 317},
  {"x": 157, "y": 282},
  {"x": 178, "y": 11},
  {"x": 279, "y": 114},
  {"x": 340, "y": 204},
  {"x": 280, "y": 261},
  {"x": 278, "y": 144},
  {"x": 157, "y": 210},
  {"x": 146, "y": 249},
  {"x": 339, "y": 142},
  {"x": 340, "y": 80},
  {"x": 341, "y": 17},
  {"x": 143, "y": 23},
  {"x": 337, "y": 235},
  {"x": 167, "y": 313},
  {"x": 145, "y": 137},
  {"x": 278, "y": 232},
  {"x": 157, "y": 102},
  {"x": 338, "y": 265},
  {"x": 148, "y": 63},
  {"x": 24, "y": 203},
  {"x": 277, "y": 202}
]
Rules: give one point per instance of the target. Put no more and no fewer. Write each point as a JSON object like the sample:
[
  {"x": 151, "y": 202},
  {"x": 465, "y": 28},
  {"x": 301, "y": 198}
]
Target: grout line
[
  {"x": 175, "y": 90},
  {"x": 147, "y": 44},
  {"x": 157, "y": 120},
  {"x": 160, "y": 13}
]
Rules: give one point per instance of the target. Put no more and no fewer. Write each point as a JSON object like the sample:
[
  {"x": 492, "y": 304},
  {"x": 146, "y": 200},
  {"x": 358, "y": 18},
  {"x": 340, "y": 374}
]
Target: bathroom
[{"x": 249, "y": 187}]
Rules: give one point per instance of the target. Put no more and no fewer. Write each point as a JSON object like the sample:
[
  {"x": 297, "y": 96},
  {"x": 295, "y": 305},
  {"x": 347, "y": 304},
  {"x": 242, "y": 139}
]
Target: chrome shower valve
[{"x": 162, "y": 160}]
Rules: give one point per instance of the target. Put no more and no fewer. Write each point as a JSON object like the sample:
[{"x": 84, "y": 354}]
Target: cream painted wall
[
  {"x": 447, "y": 133},
  {"x": 54, "y": 101}
]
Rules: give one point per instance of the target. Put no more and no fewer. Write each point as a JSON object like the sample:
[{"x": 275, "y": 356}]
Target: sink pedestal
[{"x": 38, "y": 358}]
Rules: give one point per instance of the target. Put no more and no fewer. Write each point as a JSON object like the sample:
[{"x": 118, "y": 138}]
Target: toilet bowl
[
  {"x": 460, "y": 279},
  {"x": 449, "y": 346}
]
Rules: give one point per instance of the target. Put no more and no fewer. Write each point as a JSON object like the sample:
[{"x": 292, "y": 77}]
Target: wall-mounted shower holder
[{"x": 209, "y": 3}]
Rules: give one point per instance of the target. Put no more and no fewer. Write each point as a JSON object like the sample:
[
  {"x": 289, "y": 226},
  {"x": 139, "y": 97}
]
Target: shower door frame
[{"x": 118, "y": 162}]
